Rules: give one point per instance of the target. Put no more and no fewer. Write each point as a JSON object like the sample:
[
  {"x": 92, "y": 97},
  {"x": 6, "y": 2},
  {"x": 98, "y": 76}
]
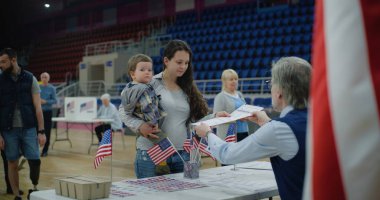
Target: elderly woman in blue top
[
  {"x": 107, "y": 111},
  {"x": 230, "y": 99},
  {"x": 48, "y": 98},
  {"x": 281, "y": 139}
]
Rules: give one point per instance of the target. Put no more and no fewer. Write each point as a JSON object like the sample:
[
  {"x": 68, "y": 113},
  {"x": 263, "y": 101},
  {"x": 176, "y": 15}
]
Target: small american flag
[
  {"x": 190, "y": 143},
  {"x": 86, "y": 106},
  {"x": 231, "y": 137},
  {"x": 161, "y": 151},
  {"x": 203, "y": 147},
  {"x": 104, "y": 149}
]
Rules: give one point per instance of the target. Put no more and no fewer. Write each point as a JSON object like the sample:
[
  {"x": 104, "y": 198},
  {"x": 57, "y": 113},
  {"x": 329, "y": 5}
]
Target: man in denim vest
[{"x": 21, "y": 117}]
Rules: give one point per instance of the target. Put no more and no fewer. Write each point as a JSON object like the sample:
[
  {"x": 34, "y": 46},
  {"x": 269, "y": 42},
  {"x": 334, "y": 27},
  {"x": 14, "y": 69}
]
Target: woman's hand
[
  {"x": 222, "y": 114},
  {"x": 147, "y": 130},
  {"x": 202, "y": 129}
]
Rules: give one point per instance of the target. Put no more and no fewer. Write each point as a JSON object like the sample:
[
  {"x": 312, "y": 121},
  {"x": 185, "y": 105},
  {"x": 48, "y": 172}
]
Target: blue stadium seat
[
  {"x": 306, "y": 49},
  {"x": 277, "y": 51},
  {"x": 210, "y": 75},
  {"x": 263, "y": 72},
  {"x": 256, "y": 62},
  {"x": 213, "y": 65},
  {"x": 296, "y": 49},
  {"x": 218, "y": 74},
  {"x": 248, "y": 100},
  {"x": 244, "y": 73},
  {"x": 268, "y": 51},
  {"x": 247, "y": 63},
  {"x": 242, "y": 53},
  {"x": 253, "y": 73},
  {"x": 250, "y": 53}
]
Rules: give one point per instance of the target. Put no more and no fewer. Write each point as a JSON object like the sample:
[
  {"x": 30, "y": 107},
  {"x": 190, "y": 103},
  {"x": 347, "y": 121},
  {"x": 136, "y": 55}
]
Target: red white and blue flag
[
  {"x": 343, "y": 160},
  {"x": 231, "y": 136},
  {"x": 86, "y": 106},
  {"x": 104, "y": 149},
  {"x": 70, "y": 106},
  {"x": 203, "y": 147},
  {"x": 161, "y": 151},
  {"x": 190, "y": 143}
]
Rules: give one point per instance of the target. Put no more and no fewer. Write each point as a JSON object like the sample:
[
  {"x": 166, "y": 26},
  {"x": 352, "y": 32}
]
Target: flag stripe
[
  {"x": 104, "y": 149},
  {"x": 324, "y": 150},
  {"x": 352, "y": 98},
  {"x": 157, "y": 154},
  {"x": 371, "y": 19}
]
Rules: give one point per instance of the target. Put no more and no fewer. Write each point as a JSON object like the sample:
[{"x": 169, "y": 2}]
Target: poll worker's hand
[
  {"x": 2, "y": 143},
  {"x": 148, "y": 130},
  {"x": 202, "y": 129},
  {"x": 43, "y": 101},
  {"x": 222, "y": 114},
  {"x": 41, "y": 139},
  {"x": 259, "y": 117}
]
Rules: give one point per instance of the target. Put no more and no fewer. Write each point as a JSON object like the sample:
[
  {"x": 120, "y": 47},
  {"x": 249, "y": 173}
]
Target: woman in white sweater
[{"x": 229, "y": 99}]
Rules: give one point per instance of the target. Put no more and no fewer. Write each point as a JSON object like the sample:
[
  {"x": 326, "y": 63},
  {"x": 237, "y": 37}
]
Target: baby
[{"x": 139, "y": 98}]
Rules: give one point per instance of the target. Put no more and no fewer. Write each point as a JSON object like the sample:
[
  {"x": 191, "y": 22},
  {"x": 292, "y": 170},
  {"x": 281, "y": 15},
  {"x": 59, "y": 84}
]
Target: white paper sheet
[{"x": 242, "y": 112}]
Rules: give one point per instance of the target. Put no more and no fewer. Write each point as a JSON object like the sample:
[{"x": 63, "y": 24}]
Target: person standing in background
[
  {"x": 48, "y": 98},
  {"x": 21, "y": 116},
  {"x": 230, "y": 99}
]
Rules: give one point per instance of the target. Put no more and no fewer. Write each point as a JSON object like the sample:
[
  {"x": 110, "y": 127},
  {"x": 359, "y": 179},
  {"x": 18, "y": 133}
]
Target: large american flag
[
  {"x": 161, "y": 151},
  {"x": 231, "y": 136},
  {"x": 104, "y": 149},
  {"x": 344, "y": 127}
]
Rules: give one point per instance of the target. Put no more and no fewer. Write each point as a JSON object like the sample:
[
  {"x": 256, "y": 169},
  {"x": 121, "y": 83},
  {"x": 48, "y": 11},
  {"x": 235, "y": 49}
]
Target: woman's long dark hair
[{"x": 198, "y": 105}]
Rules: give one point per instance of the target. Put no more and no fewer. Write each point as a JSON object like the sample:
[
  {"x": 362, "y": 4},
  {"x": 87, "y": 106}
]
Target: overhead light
[{"x": 47, "y": 5}]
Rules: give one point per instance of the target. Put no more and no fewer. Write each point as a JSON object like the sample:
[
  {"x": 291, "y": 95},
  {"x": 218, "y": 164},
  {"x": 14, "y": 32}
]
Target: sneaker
[
  {"x": 18, "y": 198},
  {"x": 30, "y": 191}
]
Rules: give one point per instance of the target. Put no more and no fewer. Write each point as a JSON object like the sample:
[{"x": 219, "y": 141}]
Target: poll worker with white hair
[
  {"x": 281, "y": 139},
  {"x": 107, "y": 111}
]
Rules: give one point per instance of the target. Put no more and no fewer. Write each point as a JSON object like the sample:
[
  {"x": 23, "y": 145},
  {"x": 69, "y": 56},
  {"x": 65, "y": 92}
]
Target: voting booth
[{"x": 80, "y": 108}]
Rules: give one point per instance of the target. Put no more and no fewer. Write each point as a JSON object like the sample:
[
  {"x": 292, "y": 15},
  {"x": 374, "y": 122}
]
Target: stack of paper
[{"x": 242, "y": 112}]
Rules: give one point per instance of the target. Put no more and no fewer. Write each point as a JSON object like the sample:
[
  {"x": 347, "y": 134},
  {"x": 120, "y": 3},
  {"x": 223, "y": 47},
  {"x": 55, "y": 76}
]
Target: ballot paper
[{"x": 242, "y": 112}]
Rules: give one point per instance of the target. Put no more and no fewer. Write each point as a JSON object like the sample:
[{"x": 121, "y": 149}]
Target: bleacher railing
[
  {"x": 110, "y": 47},
  {"x": 207, "y": 87}
]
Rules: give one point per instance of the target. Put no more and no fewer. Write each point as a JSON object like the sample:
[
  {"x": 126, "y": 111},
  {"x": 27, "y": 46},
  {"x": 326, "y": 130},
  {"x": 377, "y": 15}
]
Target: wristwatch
[{"x": 41, "y": 132}]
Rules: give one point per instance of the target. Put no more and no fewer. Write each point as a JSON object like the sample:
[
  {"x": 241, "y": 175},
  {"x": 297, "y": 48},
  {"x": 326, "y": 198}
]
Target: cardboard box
[{"x": 82, "y": 188}]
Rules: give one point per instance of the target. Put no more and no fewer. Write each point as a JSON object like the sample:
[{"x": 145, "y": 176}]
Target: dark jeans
[
  {"x": 47, "y": 122},
  {"x": 99, "y": 130},
  {"x": 5, "y": 161}
]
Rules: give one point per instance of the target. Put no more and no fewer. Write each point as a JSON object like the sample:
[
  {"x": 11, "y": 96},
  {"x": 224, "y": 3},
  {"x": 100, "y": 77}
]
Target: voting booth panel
[{"x": 80, "y": 108}]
